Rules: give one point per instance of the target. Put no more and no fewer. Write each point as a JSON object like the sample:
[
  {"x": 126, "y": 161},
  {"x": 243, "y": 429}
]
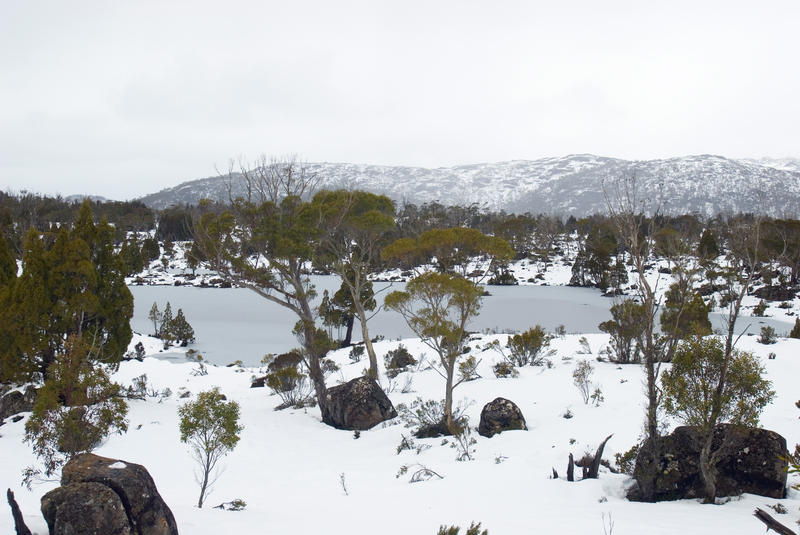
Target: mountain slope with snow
[{"x": 575, "y": 184}]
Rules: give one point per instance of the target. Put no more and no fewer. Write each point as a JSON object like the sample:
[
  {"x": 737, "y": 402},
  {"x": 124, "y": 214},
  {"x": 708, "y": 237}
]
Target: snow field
[{"x": 288, "y": 465}]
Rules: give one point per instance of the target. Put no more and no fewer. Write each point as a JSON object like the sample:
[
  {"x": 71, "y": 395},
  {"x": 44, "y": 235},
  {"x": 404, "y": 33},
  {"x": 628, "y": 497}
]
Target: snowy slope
[
  {"x": 288, "y": 466},
  {"x": 573, "y": 184}
]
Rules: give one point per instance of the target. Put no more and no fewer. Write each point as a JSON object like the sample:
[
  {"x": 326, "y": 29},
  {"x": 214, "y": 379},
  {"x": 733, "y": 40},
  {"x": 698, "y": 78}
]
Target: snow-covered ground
[{"x": 289, "y": 467}]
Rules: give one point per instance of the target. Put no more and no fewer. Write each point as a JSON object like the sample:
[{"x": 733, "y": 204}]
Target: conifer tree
[
  {"x": 180, "y": 330},
  {"x": 155, "y": 316}
]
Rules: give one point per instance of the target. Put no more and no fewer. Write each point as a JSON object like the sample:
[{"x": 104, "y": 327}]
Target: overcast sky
[{"x": 122, "y": 99}]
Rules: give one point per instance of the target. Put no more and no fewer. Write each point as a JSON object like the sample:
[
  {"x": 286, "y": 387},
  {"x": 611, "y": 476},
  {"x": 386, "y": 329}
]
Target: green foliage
[
  {"x": 290, "y": 385},
  {"x": 707, "y": 248},
  {"x": 760, "y": 309},
  {"x": 685, "y": 314},
  {"x": 504, "y": 369},
  {"x": 210, "y": 426},
  {"x": 180, "y": 330},
  {"x": 593, "y": 265},
  {"x": 437, "y": 308},
  {"x": 626, "y": 327},
  {"x": 689, "y": 387},
  {"x": 77, "y": 406},
  {"x": 795, "y": 332},
  {"x": 398, "y": 359},
  {"x": 474, "y": 529},
  {"x": 767, "y": 335},
  {"x": 468, "y": 369},
  {"x": 8, "y": 264},
  {"x": 627, "y": 461},
  {"x": 502, "y": 277},
  {"x": 72, "y": 282},
  {"x": 526, "y": 348},
  {"x": 451, "y": 248},
  {"x": 150, "y": 249},
  {"x": 155, "y": 316}
]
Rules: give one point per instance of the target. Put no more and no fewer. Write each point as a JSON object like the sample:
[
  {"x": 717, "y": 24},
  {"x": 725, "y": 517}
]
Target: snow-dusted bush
[{"x": 582, "y": 378}]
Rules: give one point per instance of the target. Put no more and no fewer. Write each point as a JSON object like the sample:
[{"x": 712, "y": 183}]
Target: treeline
[
  {"x": 594, "y": 242},
  {"x": 71, "y": 287}
]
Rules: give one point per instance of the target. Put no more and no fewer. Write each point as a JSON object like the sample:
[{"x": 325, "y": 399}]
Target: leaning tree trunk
[{"x": 373, "y": 360}]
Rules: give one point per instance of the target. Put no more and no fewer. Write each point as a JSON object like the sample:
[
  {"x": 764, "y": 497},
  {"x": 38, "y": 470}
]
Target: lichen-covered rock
[
  {"x": 357, "y": 405},
  {"x": 500, "y": 415},
  {"x": 147, "y": 512},
  {"x": 85, "y": 509},
  {"x": 750, "y": 462},
  {"x": 15, "y": 402}
]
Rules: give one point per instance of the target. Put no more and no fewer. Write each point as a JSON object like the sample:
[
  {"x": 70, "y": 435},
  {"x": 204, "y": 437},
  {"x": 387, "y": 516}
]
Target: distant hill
[{"x": 704, "y": 184}]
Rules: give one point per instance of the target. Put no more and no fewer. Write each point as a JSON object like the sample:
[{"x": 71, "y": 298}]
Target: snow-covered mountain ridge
[{"x": 574, "y": 184}]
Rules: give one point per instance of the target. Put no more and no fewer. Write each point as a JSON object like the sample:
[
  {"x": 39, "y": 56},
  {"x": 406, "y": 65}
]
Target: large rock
[
  {"x": 15, "y": 402},
  {"x": 85, "y": 509},
  {"x": 358, "y": 405},
  {"x": 750, "y": 462},
  {"x": 500, "y": 415},
  {"x": 146, "y": 512}
]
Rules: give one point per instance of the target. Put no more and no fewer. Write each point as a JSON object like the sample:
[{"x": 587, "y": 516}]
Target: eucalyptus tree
[
  {"x": 265, "y": 241},
  {"x": 437, "y": 308},
  {"x": 465, "y": 252},
  {"x": 356, "y": 225}
]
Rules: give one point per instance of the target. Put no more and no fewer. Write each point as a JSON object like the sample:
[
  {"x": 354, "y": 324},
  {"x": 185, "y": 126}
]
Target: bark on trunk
[
  {"x": 373, "y": 360},
  {"x": 448, "y": 397}
]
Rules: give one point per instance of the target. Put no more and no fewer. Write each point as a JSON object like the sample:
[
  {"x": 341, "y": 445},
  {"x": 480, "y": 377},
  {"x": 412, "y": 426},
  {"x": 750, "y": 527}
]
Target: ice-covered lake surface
[{"x": 237, "y": 324}]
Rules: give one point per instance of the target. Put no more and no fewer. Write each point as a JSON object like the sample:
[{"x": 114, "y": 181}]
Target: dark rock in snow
[
  {"x": 85, "y": 509},
  {"x": 775, "y": 293},
  {"x": 91, "y": 487},
  {"x": 16, "y": 402},
  {"x": 357, "y": 405},
  {"x": 258, "y": 382},
  {"x": 500, "y": 415},
  {"x": 751, "y": 462}
]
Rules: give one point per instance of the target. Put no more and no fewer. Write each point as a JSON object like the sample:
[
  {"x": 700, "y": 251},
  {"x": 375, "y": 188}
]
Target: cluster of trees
[
  {"x": 710, "y": 382},
  {"x": 265, "y": 240},
  {"x": 65, "y": 322},
  {"x": 71, "y": 283},
  {"x": 169, "y": 328}
]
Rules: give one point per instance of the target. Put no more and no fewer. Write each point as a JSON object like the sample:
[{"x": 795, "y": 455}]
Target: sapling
[{"x": 210, "y": 425}]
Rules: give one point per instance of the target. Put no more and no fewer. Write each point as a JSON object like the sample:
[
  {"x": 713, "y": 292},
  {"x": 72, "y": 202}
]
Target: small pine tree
[
  {"x": 164, "y": 332},
  {"x": 795, "y": 333},
  {"x": 155, "y": 316},
  {"x": 180, "y": 330},
  {"x": 210, "y": 425}
]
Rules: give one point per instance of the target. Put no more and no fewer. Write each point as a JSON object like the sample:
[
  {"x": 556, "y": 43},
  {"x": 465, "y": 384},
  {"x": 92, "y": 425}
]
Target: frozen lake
[{"x": 236, "y": 324}]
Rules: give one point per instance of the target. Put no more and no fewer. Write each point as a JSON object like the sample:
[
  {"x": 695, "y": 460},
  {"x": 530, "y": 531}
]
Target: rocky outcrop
[
  {"x": 15, "y": 402},
  {"x": 357, "y": 405},
  {"x": 500, "y": 415},
  {"x": 85, "y": 509},
  {"x": 750, "y": 461},
  {"x": 101, "y": 482}
]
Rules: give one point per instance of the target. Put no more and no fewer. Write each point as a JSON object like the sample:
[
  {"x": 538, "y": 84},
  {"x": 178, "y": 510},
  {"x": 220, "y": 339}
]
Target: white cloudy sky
[{"x": 125, "y": 98}]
